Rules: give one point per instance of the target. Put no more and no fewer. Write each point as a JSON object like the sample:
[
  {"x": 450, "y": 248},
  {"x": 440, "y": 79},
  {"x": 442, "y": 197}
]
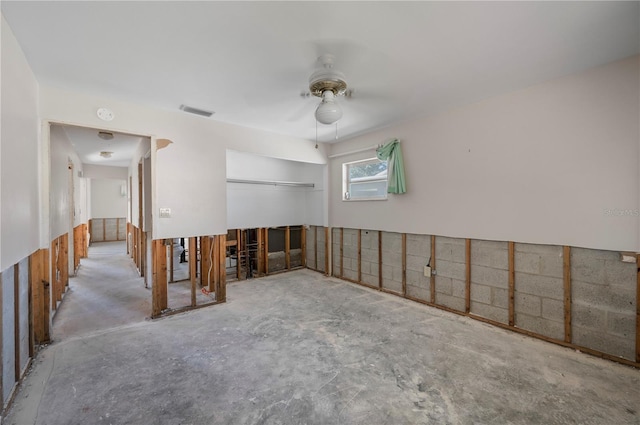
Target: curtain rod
[
  {"x": 370, "y": 148},
  {"x": 271, "y": 183}
]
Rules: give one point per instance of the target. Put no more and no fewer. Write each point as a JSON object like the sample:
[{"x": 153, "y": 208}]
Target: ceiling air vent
[{"x": 196, "y": 111}]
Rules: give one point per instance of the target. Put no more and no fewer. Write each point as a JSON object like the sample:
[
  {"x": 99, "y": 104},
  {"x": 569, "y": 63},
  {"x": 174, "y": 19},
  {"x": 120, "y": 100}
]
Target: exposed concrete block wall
[
  {"x": 539, "y": 289},
  {"x": 311, "y": 247},
  {"x": 418, "y": 254},
  {"x": 603, "y": 288},
  {"x": 8, "y": 334},
  {"x": 603, "y": 312},
  {"x": 489, "y": 279},
  {"x": 320, "y": 247},
  {"x": 335, "y": 242},
  {"x": 370, "y": 266},
  {"x": 11, "y": 300},
  {"x": 450, "y": 269},
  {"x": 108, "y": 229},
  {"x": 392, "y": 261},
  {"x": 350, "y": 254}
]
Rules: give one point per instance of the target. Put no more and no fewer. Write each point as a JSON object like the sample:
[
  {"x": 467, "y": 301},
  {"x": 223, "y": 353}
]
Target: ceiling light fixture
[
  {"x": 106, "y": 154},
  {"x": 327, "y": 82},
  {"x": 329, "y": 111},
  {"x": 105, "y": 135}
]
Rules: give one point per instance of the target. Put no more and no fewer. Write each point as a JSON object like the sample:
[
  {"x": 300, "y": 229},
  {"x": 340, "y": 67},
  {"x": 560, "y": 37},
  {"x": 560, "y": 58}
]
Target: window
[{"x": 364, "y": 180}]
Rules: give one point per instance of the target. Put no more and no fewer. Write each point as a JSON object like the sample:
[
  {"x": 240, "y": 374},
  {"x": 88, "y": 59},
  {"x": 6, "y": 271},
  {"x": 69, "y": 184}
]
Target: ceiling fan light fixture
[
  {"x": 329, "y": 111},
  {"x": 106, "y": 154}
]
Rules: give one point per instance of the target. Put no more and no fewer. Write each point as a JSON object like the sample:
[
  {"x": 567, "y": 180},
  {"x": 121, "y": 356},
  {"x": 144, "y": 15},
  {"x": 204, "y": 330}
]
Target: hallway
[{"x": 107, "y": 292}]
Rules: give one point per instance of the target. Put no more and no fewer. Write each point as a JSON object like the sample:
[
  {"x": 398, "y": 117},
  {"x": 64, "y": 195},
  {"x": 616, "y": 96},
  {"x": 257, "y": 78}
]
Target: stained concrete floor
[{"x": 300, "y": 348}]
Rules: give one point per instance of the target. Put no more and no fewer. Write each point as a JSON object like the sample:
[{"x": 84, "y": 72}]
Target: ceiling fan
[{"x": 328, "y": 83}]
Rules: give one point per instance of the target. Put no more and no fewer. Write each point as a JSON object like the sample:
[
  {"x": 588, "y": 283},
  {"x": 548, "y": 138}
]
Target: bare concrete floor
[{"x": 300, "y": 348}]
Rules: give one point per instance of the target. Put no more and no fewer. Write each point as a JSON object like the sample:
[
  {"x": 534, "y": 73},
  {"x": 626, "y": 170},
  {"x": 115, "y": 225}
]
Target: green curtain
[{"x": 392, "y": 153}]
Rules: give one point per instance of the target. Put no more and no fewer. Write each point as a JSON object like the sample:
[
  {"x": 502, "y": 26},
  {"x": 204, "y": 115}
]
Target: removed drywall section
[
  {"x": 336, "y": 241},
  {"x": 391, "y": 244},
  {"x": 370, "y": 260},
  {"x": 418, "y": 254},
  {"x": 466, "y": 169},
  {"x": 603, "y": 312},
  {"x": 350, "y": 256},
  {"x": 8, "y": 333},
  {"x": 312, "y": 259},
  {"x": 489, "y": 278},
  {"x": 450, "y": 273},
  {"x": 539, "y": 288},
  {"x": 321, "y": 249},
  {"x": 20, "y": 202}
]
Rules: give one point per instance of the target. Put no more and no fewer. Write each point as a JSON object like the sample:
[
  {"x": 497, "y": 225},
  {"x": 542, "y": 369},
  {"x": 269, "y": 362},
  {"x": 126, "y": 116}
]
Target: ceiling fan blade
[{"x": 306, "y": 110}]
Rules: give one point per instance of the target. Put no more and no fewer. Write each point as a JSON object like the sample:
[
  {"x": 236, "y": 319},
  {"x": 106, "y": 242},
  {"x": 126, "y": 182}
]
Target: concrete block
[
  {"x": 490, "y": 254},
  {"x": 416, "y": 263},
  {"x": 351, "y": 274},
  {"x": 490, "y": 312},
  {"x": 387, "y": 272},
  {"x": 8, "y": 332},
  {"x": 607, "y": 343},
  {"x": 553, "y": 310},
  {"x": 527, "y": 304},
  {"x": 320, "y": 261},
  {"x": 488, "y": 276},
  {"x": 417, "y": 279},
  {"x": 587, "y": 316},
  {"x": 397, "y": 274},
  {"x": 549, "y": 257},
  {"x": 610, "y": 297},
  {"x": 595, "y": 254},
  {"x": 277, "y": 261},
  {"x": 365, "y": 267},
  {"x": 618, "y": 273},
  {"x": 450, "y": 301},
  {"x": 392, "y": 242},
  {"x": 370, "y": 279},
  {"x": 444, "y": 285},
  {"x": 450, "y": 269},
  {"x": 481, "y": 293},
  {"x": 392, "y": 285},
  {"x": 350, "y": 252},
  {"x": 542, "y": 286},
  {"x": 586, "y": 268},
  {"x": 451, "y": 249},
  {"x": 295, "y": 256},
  {"x": 419, "y": 245},
  {"x": 369, "y": 239},
  {"x": 418, "y": 292},
  {"x": 622, "y": 325},
  {"x": 320, "y": 235},
  {"x": 540, "y": 325},
  {"x": 392, "y": 258},
  {"x": 369, "y": 255},
  {"x": 458, "y": 288},
  {"x": 500, "y": 297}
]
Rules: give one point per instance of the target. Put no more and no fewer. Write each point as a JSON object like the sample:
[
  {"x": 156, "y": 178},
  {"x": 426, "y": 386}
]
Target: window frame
[{"x": 347, "y": 180}]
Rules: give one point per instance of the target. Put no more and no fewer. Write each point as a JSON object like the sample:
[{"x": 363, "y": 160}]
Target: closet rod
[{"x": 271, "y": 183}]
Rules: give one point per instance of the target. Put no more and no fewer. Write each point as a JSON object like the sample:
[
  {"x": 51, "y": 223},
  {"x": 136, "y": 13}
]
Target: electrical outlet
[
  {"x": 165, "y": 212},
  {"x": 427, "y": 271}
]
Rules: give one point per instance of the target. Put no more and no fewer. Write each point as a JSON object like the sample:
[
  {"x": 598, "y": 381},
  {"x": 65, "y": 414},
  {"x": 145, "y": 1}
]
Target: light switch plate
[
  {"x": 165, "y": 212},
  {"x": 427, "y": 271}
]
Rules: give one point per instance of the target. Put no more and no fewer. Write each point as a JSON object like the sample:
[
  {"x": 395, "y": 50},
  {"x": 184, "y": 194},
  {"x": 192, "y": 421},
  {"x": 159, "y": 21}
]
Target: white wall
[
  {"x": 540, "y": 165},
  {"x": 195, "y": 161},
  {"x": 19, "y": 174},
  {"x": 141, "y": 150},
  {"x": 62, "y": 154},
  {"x": 254, "y": 205},
  {"x": 92, "y": 171},
  {"x": 107, "y": 200}
]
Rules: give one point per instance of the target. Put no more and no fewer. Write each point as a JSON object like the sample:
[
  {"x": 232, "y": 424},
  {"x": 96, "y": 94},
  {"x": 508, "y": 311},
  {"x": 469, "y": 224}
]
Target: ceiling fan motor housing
[{"x": 326, "y": 78}]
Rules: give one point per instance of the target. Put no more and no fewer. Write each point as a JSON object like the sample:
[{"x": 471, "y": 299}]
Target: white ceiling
[
  {"x": 88, "y": 146},
  {"x": 249, "y": 61}
]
